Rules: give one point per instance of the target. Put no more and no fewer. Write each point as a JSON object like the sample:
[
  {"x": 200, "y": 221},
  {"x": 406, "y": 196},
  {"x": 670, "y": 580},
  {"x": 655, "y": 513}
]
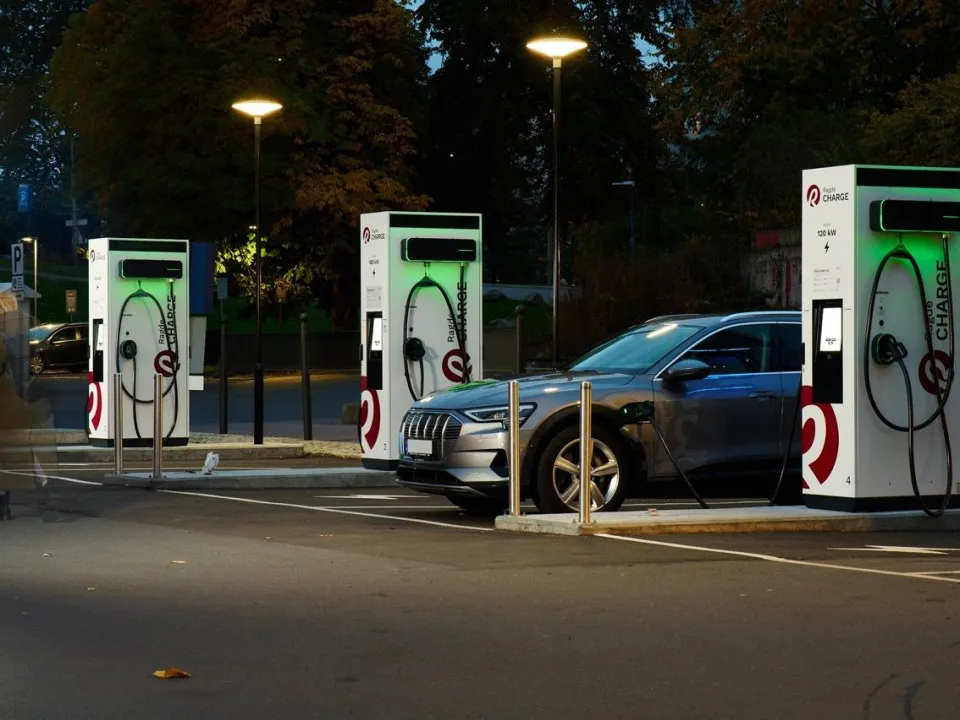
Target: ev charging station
[
  {"x": 878, "y": 330},
  {"x": 420, "y": 318},
  {"x": 144, "y": 323}
]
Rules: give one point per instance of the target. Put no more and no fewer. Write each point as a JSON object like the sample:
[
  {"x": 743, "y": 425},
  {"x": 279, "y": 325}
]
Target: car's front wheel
[
  {"x": 558, "y": 476},
  {"x": 37, "y": 365}
]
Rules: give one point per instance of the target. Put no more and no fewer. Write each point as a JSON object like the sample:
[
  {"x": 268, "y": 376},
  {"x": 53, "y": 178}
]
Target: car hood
[{"x": 487, "y": 393}]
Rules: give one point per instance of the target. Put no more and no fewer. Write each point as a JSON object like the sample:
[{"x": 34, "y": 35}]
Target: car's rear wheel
[
  {"x": 558, "y": 476},
  {"x": 479, "y": 505}
]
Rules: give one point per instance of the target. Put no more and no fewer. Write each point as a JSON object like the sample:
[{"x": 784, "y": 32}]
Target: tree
[
  {"x": 34, "y": 148},
  {"x": 149, "y": 84},
  {"x": 753, "y": 92},
  {"x": 488, "y": 148}
]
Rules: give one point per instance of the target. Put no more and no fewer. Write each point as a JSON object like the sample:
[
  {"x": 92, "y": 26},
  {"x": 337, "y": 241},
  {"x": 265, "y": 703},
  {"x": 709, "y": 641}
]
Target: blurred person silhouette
[{"x": 18, "y": 420}]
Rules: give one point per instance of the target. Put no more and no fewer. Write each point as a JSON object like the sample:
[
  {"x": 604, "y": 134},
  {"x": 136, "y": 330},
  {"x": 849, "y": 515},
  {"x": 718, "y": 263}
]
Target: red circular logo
[
  {"x": 94, "y": 403},
  {"x": 939, "y": 365},
  {"x": 452, "y": 366},
  {"x": 366, "y": 235},
  {"x": 813, "y": 195},
  {"x": 369, "y": 415},
  {"x": 820, "y": 465},
  {"x": 165, "y": 363}
]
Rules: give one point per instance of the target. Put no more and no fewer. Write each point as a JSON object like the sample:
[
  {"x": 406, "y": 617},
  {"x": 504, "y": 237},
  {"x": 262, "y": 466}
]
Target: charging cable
[
  {"x": 645, "y": 412},
  {"x": 885, "y": 349},
  {"x": 413, "y": 347},
  {"x": 127, "y": 350}
]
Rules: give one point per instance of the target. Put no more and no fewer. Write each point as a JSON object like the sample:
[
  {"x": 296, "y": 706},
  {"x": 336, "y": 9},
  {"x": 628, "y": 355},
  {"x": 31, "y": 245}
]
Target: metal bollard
[
  {"x": 586, "y": 450},
  {"x": 157, "y": 426},
  {"x": 513, "y": 415},
  {"x": 223, "y": 377},
  {"x": 305, "y": 380},
  {"x": 520, "y": 359},
  {"x": 117, "y": 423}
]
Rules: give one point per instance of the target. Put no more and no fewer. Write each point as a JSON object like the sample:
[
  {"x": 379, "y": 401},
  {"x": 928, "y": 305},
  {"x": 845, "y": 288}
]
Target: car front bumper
[{"x": 465, "y": 458}]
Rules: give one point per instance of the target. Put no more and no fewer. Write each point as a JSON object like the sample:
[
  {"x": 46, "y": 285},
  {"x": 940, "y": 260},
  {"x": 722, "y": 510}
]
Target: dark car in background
[
  {"x": 723, "y": 388},
  {"x": 59, "y": 346}
]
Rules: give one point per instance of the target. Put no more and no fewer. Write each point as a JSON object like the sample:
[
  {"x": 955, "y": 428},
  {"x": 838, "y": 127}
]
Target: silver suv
[{"x": 723, "y": 390}]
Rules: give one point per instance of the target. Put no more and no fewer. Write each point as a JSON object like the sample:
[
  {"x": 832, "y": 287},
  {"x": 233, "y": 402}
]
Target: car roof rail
[
  {"x": 759, "y": 313},
  {"x": 675, "y": 316}
]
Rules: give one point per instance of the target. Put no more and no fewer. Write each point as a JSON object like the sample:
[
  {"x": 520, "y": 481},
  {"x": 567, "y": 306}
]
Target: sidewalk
[{"x": 72, "y": 446}]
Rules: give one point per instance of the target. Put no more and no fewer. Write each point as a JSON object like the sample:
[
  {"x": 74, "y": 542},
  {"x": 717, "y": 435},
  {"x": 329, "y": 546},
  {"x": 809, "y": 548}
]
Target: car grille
[{"x": 440, "y": 427}]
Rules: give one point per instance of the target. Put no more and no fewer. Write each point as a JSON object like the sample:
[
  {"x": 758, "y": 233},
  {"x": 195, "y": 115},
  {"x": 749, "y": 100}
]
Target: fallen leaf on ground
[
  {"x": 47, "y": 555},
  {"x": 268, "y": 537},
  {"x": 179, "y": 562},
  {"x": 171, "y": 674},
  {"x": 91, "y": 589}
]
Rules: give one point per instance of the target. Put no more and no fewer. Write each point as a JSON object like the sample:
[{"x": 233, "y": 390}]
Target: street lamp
[
  {"x": 556, "y": 48},
  {"x": 257, "y": 109},
  {"x": 35, "y": 242},
  {"x": 631, "y": 184}
]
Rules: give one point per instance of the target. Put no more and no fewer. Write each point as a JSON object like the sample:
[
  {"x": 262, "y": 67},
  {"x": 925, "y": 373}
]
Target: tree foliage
[
  {"x": 33, "y": 148},
  {"x": 489, "y": 140},
  {"x": 149, "y": 85}
]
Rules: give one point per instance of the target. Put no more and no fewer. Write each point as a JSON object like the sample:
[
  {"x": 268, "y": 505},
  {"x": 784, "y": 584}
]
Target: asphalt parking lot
[{"x": 387, "y": 603}]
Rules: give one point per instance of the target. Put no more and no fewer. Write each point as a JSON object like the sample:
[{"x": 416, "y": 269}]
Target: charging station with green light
[
  {"x": 421, "y": 330},
  {"x": 144, "y": 324},
  {"x": 879, "y": 320}
]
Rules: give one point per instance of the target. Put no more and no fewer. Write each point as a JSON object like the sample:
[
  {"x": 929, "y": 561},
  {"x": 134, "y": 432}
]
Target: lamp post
[
  {"x": 257, "y": 109},
  {"x": 556, "y": 48},
  {"x": 35, "y": 242},
  {"x": 631, "y": 184}
]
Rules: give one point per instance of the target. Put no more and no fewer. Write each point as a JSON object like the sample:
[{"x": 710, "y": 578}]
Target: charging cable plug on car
[{"x": 644, "y": 413}]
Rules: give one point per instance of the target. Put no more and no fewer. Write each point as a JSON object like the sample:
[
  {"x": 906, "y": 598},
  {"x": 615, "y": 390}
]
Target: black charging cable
[
  {"x": 127, "y": 349},
  {"x": 645, "y": 412},
  {"x": 885, "y": 349},
  {"x": 786, "y": 450},
  {"x": 413, "y": 348}
]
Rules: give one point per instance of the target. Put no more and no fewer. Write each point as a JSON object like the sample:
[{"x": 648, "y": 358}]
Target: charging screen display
[
  {"x": 376, "y": 334},
  {"x": 831, "y": 329}
]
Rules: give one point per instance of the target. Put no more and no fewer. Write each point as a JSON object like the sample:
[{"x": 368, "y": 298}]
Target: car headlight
[{"x": 500, "y": 413}]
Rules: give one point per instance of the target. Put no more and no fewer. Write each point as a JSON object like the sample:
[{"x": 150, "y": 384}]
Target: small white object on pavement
[{"x": 211, "y": 463}]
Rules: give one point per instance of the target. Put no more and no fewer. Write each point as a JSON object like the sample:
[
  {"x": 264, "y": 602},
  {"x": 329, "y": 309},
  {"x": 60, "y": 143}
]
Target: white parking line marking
[
  {"x": 29, "y": 473},
  {"x": 777, "y": 559},
  {"x": 369, "y": 497},
  {"x": 898, "y": 549},
  {"x": 317, "y": 508}
]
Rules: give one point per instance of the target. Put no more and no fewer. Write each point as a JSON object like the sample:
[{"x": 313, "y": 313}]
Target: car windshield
[
  {"x": 41, "y": 332},
  {"x": 636, "y": 350}
]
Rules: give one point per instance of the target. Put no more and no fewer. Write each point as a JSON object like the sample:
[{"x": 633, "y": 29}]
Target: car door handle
[{"x": 762, "y": 395}]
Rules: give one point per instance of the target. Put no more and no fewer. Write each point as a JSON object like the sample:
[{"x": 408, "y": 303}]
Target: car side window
[
  {"x": 790, "y": 341},
  {"x": 82, "y": 333},
  {"x": 58, "y": 336},
  {"x": 745, "y": 349}
]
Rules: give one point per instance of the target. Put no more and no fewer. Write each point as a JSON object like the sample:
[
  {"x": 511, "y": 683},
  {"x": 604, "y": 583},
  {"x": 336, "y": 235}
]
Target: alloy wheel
[{"x": 604, "y": 475}]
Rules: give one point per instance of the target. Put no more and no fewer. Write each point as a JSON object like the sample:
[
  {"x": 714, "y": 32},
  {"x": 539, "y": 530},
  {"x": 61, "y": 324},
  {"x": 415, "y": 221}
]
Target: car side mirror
[{"x": 688, "y": 369}]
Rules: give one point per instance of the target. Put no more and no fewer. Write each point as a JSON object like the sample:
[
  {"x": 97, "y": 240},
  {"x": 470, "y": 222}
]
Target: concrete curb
[
  {"x": 298, "y": 479},
  {"x": 192, "y": 453},
  {"x": 738, "y": 520}
]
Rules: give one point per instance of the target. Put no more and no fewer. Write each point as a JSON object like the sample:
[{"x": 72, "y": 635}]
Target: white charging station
[
  {"x": 876, "y": 341},
  {"x": 140, "y": 327},
  {"x": 421, "y": 307}
]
